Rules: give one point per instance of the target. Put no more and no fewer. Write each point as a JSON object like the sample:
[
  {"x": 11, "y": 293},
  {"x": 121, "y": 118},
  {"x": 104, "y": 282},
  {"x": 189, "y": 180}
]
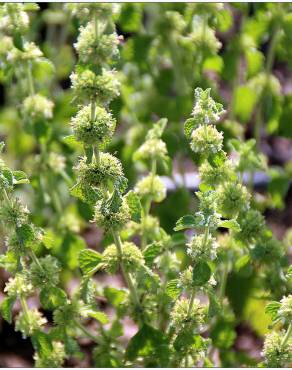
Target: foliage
[{"x": 191, "y": 265}]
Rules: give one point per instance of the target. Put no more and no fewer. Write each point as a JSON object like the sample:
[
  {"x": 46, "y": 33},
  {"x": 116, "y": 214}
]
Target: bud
[
  {"x": 277, "y": 355},
  {"x": 180, "y": 315},
  {"x": 14, "y": 213},
  {"x": 19, "y": 286},
  {"x": 53, "y": 359},
  {"x": 206, "y": 110},
  {"x": 285, "y": 311},
  {"x": 202, "y": 248},
  {"x": 214, "y": 175},
  {"x": 103, "y": 173},
  {"x": 206, "y": 140},
  {"x": 131, "y": 257},
  {"x": 87, "y": 85},
  {"x": 29, "y": 323},
  {"x": 57, "y": 162},
  {"x": 151, "y": 186},
  {"x": 45, "y": 273},
  {"x": 232, "y": 199},
  {"x": 13, "y": 18},
  {"x": 97, "y": 130},
  {"x": 152, "y": 149},
  {"x": 108, "y": 219},
  {"x": 93, "y": 48},
  {"x": 252, "y": 225},
  {"x": 30, "y": 52},
  {"x": 37, "y": 107}
]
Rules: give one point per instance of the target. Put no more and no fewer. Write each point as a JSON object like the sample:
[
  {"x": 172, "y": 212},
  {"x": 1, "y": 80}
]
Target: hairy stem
[
  {"x": 126, "y": 275},
  {"x": 30, "y": 78},
  {"x": 86, "y": 332}
]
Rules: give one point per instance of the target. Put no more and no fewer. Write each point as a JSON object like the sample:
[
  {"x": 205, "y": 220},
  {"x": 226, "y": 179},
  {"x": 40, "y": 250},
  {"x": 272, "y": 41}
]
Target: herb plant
[{"x": 183, "y": 271}]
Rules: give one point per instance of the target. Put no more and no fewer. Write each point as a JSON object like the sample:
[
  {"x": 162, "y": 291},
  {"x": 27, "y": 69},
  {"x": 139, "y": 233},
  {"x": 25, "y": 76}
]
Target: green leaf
[
  {"x": 255, "y": 61},
  {"x": 151, "y": 343},
  {"x": 18, "y": 40},
  {"x": 223, "y": 334},
  {"x": 134, "y": 204},
  {"x": 201, "y": 273},
  {"x": 30, "y": 7},
  {"x": 189, "y": 127},
  {"x": 52, "y": 297},
  {"x": 99, "y": 316},
  {"x": 20, "y": 177},
  {"x": 242, "y": 262},
  {"x": 115, "y": 296},
  {"x": 289, "y": 272},
  {"x": 130, "y": 17},
  {"x": 89, "y": 260},
  {"x": 213, "y": 63},
  {"x": 173, "y": 290},
  {"x": 151, "y": 252},
  {"x": 244, "y": 102},
  {"x": 230, "y": 224},
  {"x": 71, "y": 141},
  {"x": 43, "y": 344},
  {"x": 6, "y": 308},
  {"x": 185, "y": 222},
  {"x": 272, "y": 309},
  {"x": 214, "y": 305}
]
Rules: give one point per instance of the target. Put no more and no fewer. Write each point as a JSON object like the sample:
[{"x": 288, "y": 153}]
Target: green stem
[
  {"x": 268, "y": 69},
  {"x": 30, "y": 79},
  {"x": 8, "y": 201},
  {"x": 147, "y": 206},
  {"x": 272, "y": 49},
  {"x": 96, "y": 33},
  {"x": 95, "y": 154},
  {"x": 35, "y": 259},
  {"x": 24, "y": 307},
  {"x": 287, "y": 335},
  {"x": 223, "y": 282},
  {"x": 86, "y": 332},
  {"x": 127, "y": 276},
  {"x": 192, "y": 298}
]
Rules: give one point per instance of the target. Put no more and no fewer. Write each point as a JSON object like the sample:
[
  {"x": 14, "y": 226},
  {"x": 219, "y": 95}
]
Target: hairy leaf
[
  {"x": 88, "y": 260},
  {"x": 149, "y": 342},
  {"x": 185, "y": 222}
]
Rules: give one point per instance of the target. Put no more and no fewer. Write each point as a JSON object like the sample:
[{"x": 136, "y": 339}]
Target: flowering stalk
[
  {"x": 100, "y": 180},
  {"x": 36, "y": 109}
]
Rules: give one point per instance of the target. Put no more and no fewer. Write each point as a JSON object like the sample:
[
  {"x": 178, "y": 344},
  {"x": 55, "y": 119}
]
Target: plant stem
[
  {"x": 35, "y": 259},
  {"x": 95, "y": 155},
  {"x": 268, "y": 70},
  {"x": 96, "y": 33},
  {"x": 30, "y": 79},
  {"x": 147, "y": 206},
  {"x": 287, "y": 335},
  {"x": 24, "y": 307},
  {"x": 223, "y": 282},
  {"x": 8, "y": 201},
  {"x": 86, "y": 332},
  {"x": 127, "y": 276},
  {"x": 192, "y": 298},
  {"x": 272, "y": 49}
]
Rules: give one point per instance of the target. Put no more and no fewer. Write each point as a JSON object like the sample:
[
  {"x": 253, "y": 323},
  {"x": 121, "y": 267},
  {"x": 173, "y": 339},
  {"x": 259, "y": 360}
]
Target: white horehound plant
[
  {"x": 176, "y": 307},
  {"x": 21, "y": 61}
]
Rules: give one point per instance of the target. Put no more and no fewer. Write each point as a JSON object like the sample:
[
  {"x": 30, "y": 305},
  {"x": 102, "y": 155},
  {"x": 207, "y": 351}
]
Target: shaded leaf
[
  {"x": 201, "y": 273},
  {"x": 185, "y": 222}
]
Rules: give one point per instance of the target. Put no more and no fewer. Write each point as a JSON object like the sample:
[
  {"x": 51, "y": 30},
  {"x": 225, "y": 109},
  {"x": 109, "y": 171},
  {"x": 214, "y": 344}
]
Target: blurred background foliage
[{"x": 241, "y": 50}]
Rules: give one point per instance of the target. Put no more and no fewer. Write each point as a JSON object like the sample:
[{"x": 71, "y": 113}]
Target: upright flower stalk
[{"x": 100, "y": 178}]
